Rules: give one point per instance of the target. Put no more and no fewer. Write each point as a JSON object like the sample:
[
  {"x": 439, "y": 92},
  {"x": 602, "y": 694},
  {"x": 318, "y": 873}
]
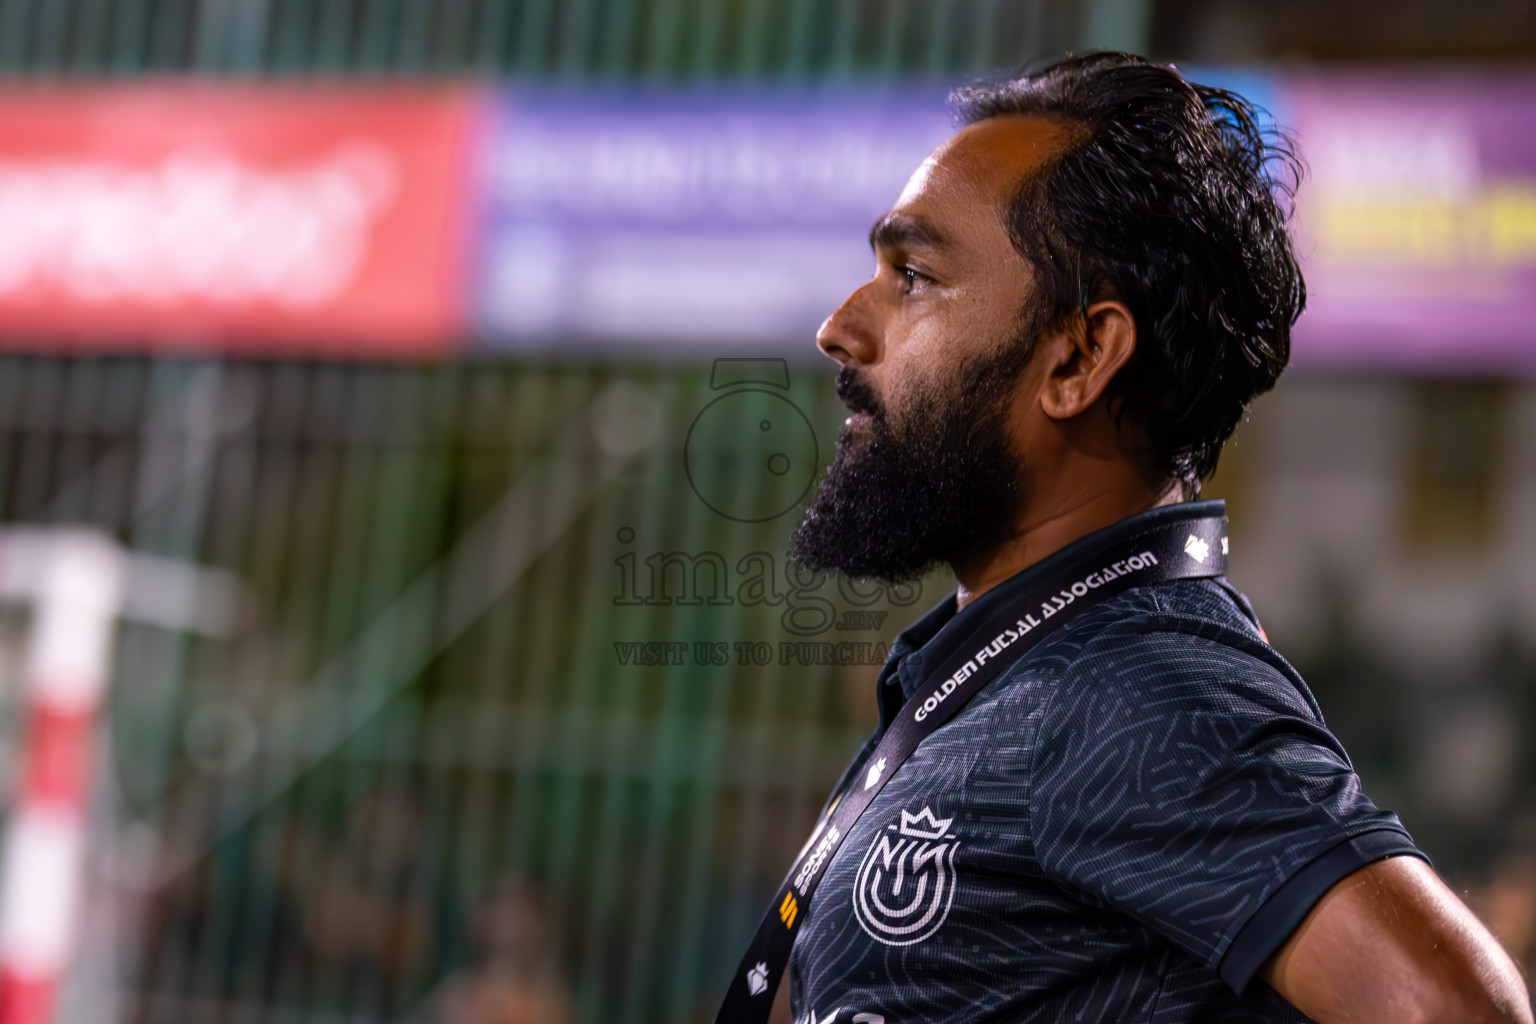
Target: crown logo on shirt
[
  {"x": 906, "y": 882},
  {"x": 912, "y": 825}
]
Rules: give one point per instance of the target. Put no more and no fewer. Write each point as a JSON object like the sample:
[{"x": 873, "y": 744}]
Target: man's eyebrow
[{"x": 900, "y": 230}]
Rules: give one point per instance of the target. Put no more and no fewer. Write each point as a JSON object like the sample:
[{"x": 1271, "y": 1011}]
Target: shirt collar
[{"x": 934, "y": 637}]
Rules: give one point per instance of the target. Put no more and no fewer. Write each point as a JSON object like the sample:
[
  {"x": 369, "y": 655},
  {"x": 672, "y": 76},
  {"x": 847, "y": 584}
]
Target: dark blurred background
[{"x": 441, "y": 375}]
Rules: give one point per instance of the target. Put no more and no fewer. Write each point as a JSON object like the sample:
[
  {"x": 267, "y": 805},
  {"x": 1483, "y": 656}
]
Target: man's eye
[{"x": 914, "y": 280}]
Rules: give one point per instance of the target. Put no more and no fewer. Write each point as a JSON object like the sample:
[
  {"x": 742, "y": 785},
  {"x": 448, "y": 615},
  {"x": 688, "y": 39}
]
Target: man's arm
[{"x": 1391, "y": 942}]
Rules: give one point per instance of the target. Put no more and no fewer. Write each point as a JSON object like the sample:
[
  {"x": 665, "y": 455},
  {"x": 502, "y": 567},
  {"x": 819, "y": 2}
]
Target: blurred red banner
[{"x": 285, "y": 219}]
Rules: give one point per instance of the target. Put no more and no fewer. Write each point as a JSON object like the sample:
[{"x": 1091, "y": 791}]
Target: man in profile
[{"x": 1144, "y": 817}]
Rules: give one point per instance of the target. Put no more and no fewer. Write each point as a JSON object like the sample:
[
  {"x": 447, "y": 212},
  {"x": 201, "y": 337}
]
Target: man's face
[{"x": 932, "y": 352}]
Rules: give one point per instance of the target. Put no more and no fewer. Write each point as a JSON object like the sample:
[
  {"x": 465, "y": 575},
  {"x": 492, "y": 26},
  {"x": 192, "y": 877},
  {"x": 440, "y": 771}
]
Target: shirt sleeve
[{"x": 1183, "y": 775}]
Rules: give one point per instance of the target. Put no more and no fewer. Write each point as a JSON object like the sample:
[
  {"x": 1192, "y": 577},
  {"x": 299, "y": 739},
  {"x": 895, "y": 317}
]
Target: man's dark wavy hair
[{"x": 1172, "y": 195}]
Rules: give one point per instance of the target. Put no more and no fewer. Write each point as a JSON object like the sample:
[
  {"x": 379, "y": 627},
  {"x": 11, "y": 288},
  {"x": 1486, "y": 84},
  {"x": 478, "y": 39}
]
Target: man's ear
[{"x": 1086, "y": 360}]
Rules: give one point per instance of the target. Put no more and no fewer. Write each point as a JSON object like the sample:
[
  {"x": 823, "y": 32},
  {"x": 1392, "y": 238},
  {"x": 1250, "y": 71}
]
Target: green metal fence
[
  {"x": 433, "y": 768},
  {"x": 560, "y": 39}
]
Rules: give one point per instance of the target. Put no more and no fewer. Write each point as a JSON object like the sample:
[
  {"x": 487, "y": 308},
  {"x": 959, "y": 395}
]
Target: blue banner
[{"x": 695, "y": 224}]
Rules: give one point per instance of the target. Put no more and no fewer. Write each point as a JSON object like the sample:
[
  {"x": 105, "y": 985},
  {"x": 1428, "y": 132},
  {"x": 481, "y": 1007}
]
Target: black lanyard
[{"x": 1184, "y": 549}]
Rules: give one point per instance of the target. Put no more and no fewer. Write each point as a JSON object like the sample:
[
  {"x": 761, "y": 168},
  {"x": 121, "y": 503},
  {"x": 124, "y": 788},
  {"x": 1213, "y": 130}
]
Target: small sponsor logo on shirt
[
  {"x": 814, "y": 862},
  {"x": 874, "y": 774},
  {"x": 788, "y": 909}
]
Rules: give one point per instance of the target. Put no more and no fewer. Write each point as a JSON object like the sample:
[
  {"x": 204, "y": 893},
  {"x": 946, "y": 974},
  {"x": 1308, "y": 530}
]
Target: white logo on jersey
[
  {"x": 858, "y": 1018},
  {"x": 874, "y": 774},
  {"x": 906, "y": 883}
]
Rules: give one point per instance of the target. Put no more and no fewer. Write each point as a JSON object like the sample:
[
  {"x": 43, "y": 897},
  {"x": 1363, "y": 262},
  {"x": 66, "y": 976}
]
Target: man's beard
[{"x": 898, "y": 501}]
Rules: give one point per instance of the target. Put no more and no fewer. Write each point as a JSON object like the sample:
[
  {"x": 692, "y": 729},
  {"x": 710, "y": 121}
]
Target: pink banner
[
  {"x": 284, "y": 219},
  {"x": 1417, "y": 223}
]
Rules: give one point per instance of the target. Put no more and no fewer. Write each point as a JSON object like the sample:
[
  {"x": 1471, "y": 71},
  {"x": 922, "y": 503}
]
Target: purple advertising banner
[
  {"x": 690, "y": 225},
  {"x": 686, "y": 224},
  {"x": 1417, "y": 222}
]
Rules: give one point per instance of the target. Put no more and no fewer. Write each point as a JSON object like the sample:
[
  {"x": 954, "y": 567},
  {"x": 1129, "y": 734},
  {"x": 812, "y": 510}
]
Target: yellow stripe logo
[{"x": 788, "y": 909}]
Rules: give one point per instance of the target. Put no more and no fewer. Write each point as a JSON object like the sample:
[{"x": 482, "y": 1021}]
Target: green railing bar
[
  {"x": 526, "y": 620},
  {"x": 249, "y": 29},
  {"x": 210, "y": 37},
  {"x": 575, "y": 40},
  {"x": 576, "y": 31},
  {"x": 415, "y": 38},
  {"x": 533, "y": 38},
  {"x": 940, "y": 32},
  {"x": 90, "y": 48},
  {"x": 169, "y": 35},
  {"x": 663, "y": 38},
  {"x": 396, "y": 523},
  {"x": 332, "y": 39},
  {"x": 590, "y": 668},
  {"x": 548, "y": 814},
  {"x": 710, "y": 734},
  {"x": 49, "y": 36},
  {"x": 171, "y": 501},
  {"x": 845, "y": 40},
  {"x": 616, "y": 59},
  {"x": 233, "y": 519},
  {"x": 127, "y": 36},
  {"x": 15, "y": 19},
  {"x": 983, "y": 36},
  {"x": 706, "y": 26},
  {"x": 641, "y": 512},
  {"x": 891, "y": 38},
  {"x": 295, "y": 38},
  {"x": 756, "y": 25},
  {"x": 371, "y": 52},
  {"x": 488, "y": 41},
  {"x": 668, "y": 743},
  {"x": 497, "y": 684},
  {"x": 797, "y": 54},
  {"x": 72, "y": 456},
  {"x": 452, "y": 37}
]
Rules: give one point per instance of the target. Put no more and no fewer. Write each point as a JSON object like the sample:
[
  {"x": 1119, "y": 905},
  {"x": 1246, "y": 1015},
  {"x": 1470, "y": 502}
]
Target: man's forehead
[{"x": 984, "y": 161}]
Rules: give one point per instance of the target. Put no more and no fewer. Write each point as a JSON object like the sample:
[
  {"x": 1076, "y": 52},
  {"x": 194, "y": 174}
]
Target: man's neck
[{"x": 1043, "y": 531}]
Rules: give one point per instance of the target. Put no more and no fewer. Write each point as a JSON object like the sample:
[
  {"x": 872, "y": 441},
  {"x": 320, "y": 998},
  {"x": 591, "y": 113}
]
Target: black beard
[{"x": 896, "y": 503}]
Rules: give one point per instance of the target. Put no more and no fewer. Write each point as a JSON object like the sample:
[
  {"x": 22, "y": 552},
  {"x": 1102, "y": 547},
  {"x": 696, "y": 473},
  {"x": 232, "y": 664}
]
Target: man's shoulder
[{"x": 1192, "y": 642}]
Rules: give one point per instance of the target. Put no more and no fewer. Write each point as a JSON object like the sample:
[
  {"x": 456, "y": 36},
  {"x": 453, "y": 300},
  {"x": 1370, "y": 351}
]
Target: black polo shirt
[{"x": 1123, "y": 826}]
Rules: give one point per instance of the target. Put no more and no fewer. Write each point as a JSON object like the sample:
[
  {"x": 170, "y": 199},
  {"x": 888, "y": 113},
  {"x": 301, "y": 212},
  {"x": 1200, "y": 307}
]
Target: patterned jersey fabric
[{"x": 1123, "y": 826}]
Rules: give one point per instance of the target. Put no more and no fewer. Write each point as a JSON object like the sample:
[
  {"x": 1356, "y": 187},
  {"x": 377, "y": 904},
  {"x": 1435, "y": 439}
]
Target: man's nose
[{"x": 850, "y": 334}]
